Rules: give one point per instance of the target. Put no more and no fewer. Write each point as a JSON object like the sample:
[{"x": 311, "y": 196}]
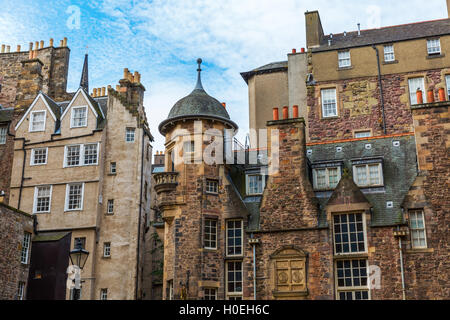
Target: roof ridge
[{"x": 387, "y": 27}]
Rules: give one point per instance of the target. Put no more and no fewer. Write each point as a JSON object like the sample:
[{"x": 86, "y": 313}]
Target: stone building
[
  {"x": 16, "y": 231},
  {"x": 22, "y": 75},
  {"x": 81, "y": 165}
]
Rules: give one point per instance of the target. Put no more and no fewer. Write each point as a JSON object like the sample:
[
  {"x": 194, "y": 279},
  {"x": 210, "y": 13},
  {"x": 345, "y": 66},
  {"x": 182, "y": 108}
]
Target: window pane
[
  {"x": 38, "y": 121},
  {"x": 75, "y": 197},
  {"x": 389, "y": 53},
  {"x": 234, "y": 237},
  {"x": 434, "y": 46},
  {"x": 73, "y": 156},
  {"x": 90, "y": 154},
  {"x": 348, "y": 235},
  {"x": 414, "y": 85},
  {"x": 43, "y": 199},
  {"x": 3, "y": 133},
  {"x": 79, "y": 117}
]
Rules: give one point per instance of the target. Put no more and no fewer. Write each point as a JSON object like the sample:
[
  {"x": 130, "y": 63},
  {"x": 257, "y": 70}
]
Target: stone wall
[
  {"x": 359, "y": 105},
  {"x": 426, "y": 270},
  {"x": 13, "y": 224}
]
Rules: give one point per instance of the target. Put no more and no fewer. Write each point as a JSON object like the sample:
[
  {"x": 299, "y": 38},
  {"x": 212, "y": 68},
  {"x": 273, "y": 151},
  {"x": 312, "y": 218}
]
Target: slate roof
[
  {"x": 56, "y": 109},
  {"x": 197, "y": 104},
  {"x": 268, "y": 68},
  {"x": 385, "y": 35},
  {"x": 399, "y": 173}
]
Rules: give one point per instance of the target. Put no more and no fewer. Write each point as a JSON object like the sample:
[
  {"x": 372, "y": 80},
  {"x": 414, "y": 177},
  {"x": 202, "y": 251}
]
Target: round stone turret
[{"x": 197, "y": 105}]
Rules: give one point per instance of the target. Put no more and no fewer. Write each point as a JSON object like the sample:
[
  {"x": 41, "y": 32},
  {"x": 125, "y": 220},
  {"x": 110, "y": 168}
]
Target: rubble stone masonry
[{"x": 13, "y": 224}]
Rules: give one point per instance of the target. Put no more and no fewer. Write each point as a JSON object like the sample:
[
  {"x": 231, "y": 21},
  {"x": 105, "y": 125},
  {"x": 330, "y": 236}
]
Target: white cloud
[{"x": 163, "y": 38}]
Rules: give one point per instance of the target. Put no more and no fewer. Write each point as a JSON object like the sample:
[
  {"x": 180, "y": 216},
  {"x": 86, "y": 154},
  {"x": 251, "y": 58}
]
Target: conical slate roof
[{"x": 198, "y": 104}]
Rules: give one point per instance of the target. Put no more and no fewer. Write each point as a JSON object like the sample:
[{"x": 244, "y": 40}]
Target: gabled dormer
[
  {"x": 82, "y": 116},
  {"x": 41, "y": 119}
]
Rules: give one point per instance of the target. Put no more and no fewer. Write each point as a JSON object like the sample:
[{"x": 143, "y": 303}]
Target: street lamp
[{"x": 78, "y": 257}]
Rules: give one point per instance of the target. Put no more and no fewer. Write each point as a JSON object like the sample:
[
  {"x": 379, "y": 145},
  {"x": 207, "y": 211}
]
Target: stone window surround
[
  {"x": 66, "y": 202},
  {"x": 36, "y": 190},
  {"x": 428, "y": 46},
  {"x": 3, "y": 134},
  {"x": 351, "y": 254},
  {"x": 106, "y": 250},
  {"x": 340, "y": 59},
  {"x": 356, "y": 131},
  {"x": 30, "y": 129},
  {"x": 319, "y": 99},
  {"x": 247, "y": 186},
  {"x": 32, "y": 158},
  {"x": 210, "y": 292},
  {"x": 352, "y": 289},
  {"x": 424, "y": 228},
  {"x": 425, "y": 82},
  {"x": 210, "y": 218},
  {"x": 234, "y": 294},
  {"x": 226, "y": 239},
  {"x": 104, "y": 294},
  {"x": 130, "y": 135},
  {"x": 331, "y": 166},
  {"x": 110, "y": 207},
  {"x": 213, "y": 180},
  {"x": 384, "y": 53}
]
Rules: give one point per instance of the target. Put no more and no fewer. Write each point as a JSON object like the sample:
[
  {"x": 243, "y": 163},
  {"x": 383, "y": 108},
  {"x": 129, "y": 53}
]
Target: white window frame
[
  {"x": 127, "y": 130},
  {"x": 72, "y": 113},
  {"x": 412, "y": 91},
  {"x": 36, "y": 192},
  {"x": 344, "y": 61},
  {"x": 389, "y": 53},
  {"x": 21, "y": 291},
  {"x": 104, "y": 294},
  {"x": 327, "y": 177},
  {"x": 3, "y": 134},
  {"x": 363, "y": 134},
  {"x": 418, "y": 229},
  {"x": 113, "y": 165},
  {"x": 326, "y": 114},
  {"x": 33, "y": 157},
  {"x": 214, "y": 184},
  {"x": 66, "y": 205},
  {"x": 247, "y": 183},
  {"x": 214, "y": 290},
  {"x": 431, "y": 44},
  {"x": 368, "y": 165},
  {"x": 32, "y": 118},
  {"x": 242, "y": 238},
  {"x": 210, "y": 234},
  {"x": 110, "y": 209},
  {"x": 349, "y": 254},
  {"x": 352, "y": 289},
  {"x": 106, "y": 247},
  {"x": 234, "y": 294},
  {"x": 82, "y": 155},
  {"x": 25, "y": 252},
  {"x": 171, "y": 291}
]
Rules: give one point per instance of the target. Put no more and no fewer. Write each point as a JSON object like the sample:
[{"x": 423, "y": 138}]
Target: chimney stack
[{"x": 314, "y": 30}]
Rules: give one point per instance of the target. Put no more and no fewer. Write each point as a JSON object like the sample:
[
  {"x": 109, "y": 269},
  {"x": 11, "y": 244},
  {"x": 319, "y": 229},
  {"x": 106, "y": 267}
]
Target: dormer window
[
  {"x": 37, "y": 121},
  {"x": 79, "y": 117},
  {"x": 344, "y": 59},
  {"x": 434, "y": 46},
  {"x": 255, "y": 184}
]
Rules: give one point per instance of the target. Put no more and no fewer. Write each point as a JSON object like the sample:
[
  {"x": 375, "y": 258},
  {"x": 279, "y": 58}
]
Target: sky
[{"x": 162, "y": 39}]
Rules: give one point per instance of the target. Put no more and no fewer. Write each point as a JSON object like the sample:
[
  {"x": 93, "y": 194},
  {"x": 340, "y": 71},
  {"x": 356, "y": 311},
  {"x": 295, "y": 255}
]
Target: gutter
[{"x": 381, "y": 87}]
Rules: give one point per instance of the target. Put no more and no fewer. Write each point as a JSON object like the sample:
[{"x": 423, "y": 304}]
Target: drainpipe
[
  {"x": 253, "y": 242},
  {"x": 139, "y": 219},
  {"x": 23, "y": 173},
  {"x": 401, "y": 265},
  {"x": 381, "y": 87}
]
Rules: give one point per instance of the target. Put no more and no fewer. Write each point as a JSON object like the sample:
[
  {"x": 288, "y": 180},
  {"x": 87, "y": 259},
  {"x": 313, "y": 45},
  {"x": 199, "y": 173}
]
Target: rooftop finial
[
  {"x": 84, "y": 83},
  {"x": 199, "y": 79}
]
